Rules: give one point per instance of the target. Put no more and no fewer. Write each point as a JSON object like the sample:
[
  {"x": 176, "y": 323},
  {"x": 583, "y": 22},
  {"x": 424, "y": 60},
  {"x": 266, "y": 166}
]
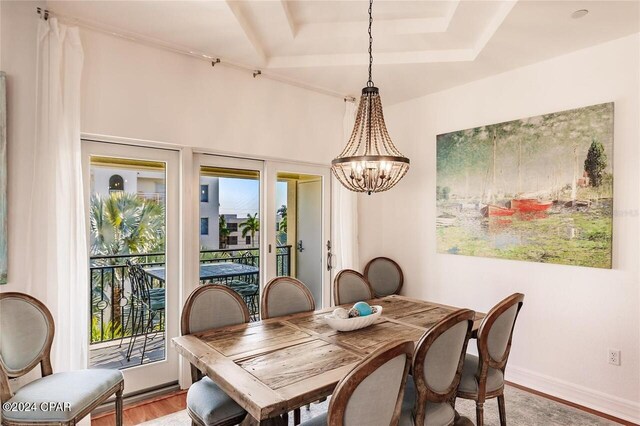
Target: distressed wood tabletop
[{"x": 272, "y": 366}]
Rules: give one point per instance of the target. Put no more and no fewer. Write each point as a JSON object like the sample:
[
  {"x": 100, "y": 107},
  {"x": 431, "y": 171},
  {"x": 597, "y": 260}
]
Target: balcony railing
[{"x": 111, "y": 289}]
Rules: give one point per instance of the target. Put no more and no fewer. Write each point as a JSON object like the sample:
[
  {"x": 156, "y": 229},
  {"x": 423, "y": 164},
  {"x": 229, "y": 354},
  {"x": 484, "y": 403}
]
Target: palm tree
[
  {"x": 282, "y": 225},
  {"x": 250, "y": 226},
  {"x": 223, "y": 231},
  {"x": 123, "y": 223}
]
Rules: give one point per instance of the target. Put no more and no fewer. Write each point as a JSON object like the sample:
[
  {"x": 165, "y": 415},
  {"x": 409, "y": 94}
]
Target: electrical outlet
[{"x": 614, "y": 356}]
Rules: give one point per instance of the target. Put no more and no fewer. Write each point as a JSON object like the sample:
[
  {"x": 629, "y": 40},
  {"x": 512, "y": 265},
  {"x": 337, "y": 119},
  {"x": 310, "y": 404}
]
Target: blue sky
[{"x": 242, "y": 196}]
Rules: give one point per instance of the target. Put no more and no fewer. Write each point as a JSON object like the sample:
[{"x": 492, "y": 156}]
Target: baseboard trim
[
  {"x": 138, "y": 398},
  {"x": 619, "y": 408}
]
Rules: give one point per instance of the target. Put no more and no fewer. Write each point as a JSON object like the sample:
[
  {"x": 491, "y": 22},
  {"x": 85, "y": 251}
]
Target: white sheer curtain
[
  {"x": 345, "y": 211},
  {"x": 57, "y": 233}
]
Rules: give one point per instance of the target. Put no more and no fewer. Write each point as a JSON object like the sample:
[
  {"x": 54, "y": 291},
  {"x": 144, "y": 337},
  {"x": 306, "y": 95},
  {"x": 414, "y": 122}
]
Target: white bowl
[{"x": 350, "y": 324}]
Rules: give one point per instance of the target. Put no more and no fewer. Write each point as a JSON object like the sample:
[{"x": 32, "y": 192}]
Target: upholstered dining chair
[
  {"x": 285, "y": 296},
  {"x": 350, "y": 286},
  {"x": 384, "y": 275},
  {"x": 207, "y": 307},
  {"x": 437, "y": 368},
  {"x": 371, "y": 394},
  {"x": 27, "y": 334},
  {"x": 483, "y": 375}
]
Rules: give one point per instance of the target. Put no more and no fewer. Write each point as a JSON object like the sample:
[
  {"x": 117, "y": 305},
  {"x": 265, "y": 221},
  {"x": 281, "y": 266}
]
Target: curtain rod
[{"x": 214, "y": 60}]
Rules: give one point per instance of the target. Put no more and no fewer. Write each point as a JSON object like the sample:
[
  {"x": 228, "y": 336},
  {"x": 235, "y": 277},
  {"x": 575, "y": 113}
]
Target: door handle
[
  {"x": 300, "y": 248},
  {"x": 329, "y": 256}
]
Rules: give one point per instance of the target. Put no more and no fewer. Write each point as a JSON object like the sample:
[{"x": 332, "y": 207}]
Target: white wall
[
  {"x": 18, "y": 30},
  {"x": 135, "y": 91},
  {"x": 571, "y": 315}
]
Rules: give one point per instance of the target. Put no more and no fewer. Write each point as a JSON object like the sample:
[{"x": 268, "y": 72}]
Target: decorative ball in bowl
[{"x": 360, "y": 316}]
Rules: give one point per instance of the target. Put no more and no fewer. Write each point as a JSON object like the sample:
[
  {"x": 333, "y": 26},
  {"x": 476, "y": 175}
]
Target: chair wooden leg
[
  {"x": 119, "y": 406},
  {"x": 479, "y": 413},
  {"x": 503, "y": 413},
  {"x": 296, "y": 416}
]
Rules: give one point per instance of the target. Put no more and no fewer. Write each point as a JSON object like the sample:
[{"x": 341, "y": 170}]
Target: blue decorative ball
[{"x": 363, "y": 308}]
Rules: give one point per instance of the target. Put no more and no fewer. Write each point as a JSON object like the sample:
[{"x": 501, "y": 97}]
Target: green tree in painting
[
  {"x": 596, "y": 163},
  {"x": 445, "y": 192},
  {"x": 250, "y": 227},
  {"x": 223, "y": 231},
  {"x": 460, "y": 155}
]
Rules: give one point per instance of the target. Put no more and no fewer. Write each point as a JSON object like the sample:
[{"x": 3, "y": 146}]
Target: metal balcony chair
[
  {"x": 249, "y": 293},
  {"x": 27, "y": 334},
  {"x": 147, "y": 306}
]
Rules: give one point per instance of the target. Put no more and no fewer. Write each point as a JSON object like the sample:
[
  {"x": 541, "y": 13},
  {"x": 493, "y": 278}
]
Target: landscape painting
[
  {"x": 539, "y": 189},
  {"x": 3, "y": 179}
]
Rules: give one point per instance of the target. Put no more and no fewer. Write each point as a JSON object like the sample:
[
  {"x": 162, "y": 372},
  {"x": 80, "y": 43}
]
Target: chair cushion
[
  {"x": 469, "y": 384},
  {"x": 436, "y": 414},
  {"x": 320, "y": 420},
  {"x": 210, "y": 404},
  {"x": 78, "y": 388}
]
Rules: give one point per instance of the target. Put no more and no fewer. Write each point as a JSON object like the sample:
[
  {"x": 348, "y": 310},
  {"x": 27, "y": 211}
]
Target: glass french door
[
  {"x": 132, "y": 205},
  {"x": 298, "y": 213},
  {"x": 229, "y": 226}
]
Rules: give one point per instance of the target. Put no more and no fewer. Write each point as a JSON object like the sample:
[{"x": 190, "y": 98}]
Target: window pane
[
  {"x": 204, "y": 226},
  {"x": 127, "y": 243},
  {"x": 229, "y": 252},
  {"x": 204, "y": 193}
]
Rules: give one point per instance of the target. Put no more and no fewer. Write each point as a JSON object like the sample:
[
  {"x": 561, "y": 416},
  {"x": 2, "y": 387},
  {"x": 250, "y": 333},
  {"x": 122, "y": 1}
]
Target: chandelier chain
[
  {"x": 370, "y": 81},
  {"x": 370, "y": 162}
]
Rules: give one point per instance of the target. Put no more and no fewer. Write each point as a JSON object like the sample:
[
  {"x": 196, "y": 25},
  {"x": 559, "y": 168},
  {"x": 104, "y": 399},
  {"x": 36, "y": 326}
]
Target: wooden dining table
[{"x": 273, "y": 366}]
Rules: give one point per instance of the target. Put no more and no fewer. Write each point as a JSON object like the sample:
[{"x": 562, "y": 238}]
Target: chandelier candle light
[{"x": 370, "y": 162}]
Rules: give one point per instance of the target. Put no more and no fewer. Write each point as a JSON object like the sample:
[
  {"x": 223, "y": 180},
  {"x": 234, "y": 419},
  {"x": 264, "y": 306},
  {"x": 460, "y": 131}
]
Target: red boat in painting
[
  {"x": 530, "y": 205},
  {"x": 491, "y": 210}
]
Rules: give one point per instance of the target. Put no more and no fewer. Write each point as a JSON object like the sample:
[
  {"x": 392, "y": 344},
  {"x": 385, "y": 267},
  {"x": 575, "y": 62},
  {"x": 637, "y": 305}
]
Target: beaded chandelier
[{"x": 370, "y": 162}]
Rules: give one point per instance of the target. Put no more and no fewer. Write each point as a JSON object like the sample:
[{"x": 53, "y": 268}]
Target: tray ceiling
[{"x": 419, "y": 46}]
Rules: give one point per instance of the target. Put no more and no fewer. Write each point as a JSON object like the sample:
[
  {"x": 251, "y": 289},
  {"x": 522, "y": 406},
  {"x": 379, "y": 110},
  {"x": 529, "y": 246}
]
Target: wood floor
[
  {"x": 146, "y": 410},
  {"x": 177, "y": 401}
]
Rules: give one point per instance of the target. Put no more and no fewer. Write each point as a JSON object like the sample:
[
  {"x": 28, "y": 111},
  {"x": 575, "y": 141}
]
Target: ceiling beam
[
  {"x": 284, "y": 7},
  {"x": 236, "y": 8},
  {"x": 492, "y": 27},
  {"x": 453, "y": 6}
]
